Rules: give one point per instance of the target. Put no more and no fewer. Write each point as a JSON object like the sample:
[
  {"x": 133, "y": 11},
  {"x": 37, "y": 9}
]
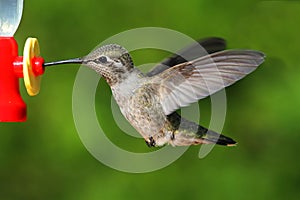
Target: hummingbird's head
[{"x": 111, "y": 61}]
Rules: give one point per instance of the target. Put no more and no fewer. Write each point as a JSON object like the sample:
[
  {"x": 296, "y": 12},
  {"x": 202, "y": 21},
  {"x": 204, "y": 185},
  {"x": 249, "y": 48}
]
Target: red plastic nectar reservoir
[{"x": 12, "y": 107}]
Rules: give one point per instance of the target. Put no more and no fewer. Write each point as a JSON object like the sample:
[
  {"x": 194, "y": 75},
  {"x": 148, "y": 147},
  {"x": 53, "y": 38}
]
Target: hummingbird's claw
[{"x": 150, "y": 142}]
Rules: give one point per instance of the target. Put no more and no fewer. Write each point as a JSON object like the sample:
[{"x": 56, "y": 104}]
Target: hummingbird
[{"x": 149, "y": 101}]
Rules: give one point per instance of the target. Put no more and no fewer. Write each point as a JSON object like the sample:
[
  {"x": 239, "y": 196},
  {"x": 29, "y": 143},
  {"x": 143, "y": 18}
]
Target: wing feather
[
  {"x": 188, "y": 82},
  {"x": 200, "y": 48}
]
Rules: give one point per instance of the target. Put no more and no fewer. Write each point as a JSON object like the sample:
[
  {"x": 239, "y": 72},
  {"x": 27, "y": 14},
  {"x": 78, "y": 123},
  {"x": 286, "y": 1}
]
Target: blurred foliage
[{"x": 44, "y": 158}]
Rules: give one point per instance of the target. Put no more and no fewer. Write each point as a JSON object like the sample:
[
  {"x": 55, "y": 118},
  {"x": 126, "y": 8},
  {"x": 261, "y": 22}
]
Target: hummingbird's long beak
[{"x": 69, "y": 61}]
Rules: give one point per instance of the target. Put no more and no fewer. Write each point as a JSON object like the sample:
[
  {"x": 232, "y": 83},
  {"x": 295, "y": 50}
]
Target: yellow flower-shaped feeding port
[{"x": 32, "y": 81}]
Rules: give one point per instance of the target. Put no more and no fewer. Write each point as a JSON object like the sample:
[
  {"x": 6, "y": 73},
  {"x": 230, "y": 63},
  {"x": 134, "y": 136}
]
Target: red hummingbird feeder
[{"x": 30, "y": 66}]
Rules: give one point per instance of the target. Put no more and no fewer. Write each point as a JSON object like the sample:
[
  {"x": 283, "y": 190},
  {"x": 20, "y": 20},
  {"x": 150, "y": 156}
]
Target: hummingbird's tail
[
  {"x": 191, "y": 133},
  {"x": 186, "y": 137},
  {"x": 211, "y": 137},
  {"x": 196, "y": 134}
]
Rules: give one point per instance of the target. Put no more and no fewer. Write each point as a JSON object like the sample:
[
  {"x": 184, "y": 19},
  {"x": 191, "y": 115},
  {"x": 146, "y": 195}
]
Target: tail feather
[
  {"x": 212, "y": 137},
  {"x": 190, "y": 133}
]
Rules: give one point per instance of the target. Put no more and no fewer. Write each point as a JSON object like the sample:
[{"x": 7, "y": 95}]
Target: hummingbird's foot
[
  {"x": 150, "y": 142},
  {"x": 173, "y": 136}
]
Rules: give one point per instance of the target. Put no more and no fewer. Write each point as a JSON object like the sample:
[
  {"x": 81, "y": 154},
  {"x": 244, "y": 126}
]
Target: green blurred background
[{"x": 44, "y": 158}]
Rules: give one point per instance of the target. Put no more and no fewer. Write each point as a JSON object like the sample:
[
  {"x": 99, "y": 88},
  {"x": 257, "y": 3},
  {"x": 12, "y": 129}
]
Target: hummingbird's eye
[{"x": 102, "y": 59}]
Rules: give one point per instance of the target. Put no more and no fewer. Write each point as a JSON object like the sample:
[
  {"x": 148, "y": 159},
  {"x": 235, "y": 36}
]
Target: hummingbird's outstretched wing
[
  {"x": 196, "y": 50},
  {"x": 188, "y": 82}
]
